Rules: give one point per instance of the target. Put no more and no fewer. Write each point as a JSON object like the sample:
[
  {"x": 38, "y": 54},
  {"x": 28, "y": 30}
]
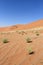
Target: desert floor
[{"x": 16, "y": 51}]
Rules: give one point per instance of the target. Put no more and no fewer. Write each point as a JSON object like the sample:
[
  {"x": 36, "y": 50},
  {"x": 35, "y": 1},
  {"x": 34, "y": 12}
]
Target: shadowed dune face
[{"x": 16, "y": 51}]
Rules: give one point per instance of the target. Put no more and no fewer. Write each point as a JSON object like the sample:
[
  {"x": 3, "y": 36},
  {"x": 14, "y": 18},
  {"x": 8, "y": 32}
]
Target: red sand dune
[{"x": 38, "y": 23}]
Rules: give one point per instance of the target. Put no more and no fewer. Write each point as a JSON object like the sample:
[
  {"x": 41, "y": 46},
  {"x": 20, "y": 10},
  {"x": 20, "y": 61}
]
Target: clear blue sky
[{"x": 20, "y": 11}]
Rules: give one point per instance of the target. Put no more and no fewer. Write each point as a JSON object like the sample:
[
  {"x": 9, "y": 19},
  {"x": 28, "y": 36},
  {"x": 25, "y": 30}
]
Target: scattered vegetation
[
  {"x": 28, "y": 40},
  {"x": 21, "y": 32},
  {"x": 5, "y": 41}
]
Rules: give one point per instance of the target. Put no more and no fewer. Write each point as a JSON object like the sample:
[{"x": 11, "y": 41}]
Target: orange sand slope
[
  {"x": 35, "y": 24},
  {"x": 16, "y": 51}
]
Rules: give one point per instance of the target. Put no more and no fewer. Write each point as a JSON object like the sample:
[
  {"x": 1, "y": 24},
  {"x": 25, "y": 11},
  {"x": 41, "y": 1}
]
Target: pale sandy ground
[{"x": 15, "y": 51}]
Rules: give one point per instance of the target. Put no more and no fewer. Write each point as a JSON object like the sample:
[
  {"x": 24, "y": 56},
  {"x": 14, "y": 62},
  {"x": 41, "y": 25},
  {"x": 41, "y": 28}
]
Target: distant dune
[{"x": 38, "y": 23}]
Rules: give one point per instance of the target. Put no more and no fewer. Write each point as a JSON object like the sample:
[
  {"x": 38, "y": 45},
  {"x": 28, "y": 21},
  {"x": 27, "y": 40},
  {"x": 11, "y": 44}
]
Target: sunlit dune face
[{"x": 35, "y": 24}]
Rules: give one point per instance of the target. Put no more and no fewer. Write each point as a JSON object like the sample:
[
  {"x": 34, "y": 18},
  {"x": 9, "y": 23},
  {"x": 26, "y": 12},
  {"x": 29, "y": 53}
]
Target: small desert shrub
[
  {"x": 5, "y": 41},
  {"x": 28, "y": 40},
  {"x": 37, "y": 33},
  {"x": 22, "y": 32},
  {"x": 30, "y": 51},
  {"x": 19, "y": 32}
]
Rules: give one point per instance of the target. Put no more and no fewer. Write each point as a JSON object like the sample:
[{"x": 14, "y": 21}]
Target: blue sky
[{"x": 20, "y": 11}]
